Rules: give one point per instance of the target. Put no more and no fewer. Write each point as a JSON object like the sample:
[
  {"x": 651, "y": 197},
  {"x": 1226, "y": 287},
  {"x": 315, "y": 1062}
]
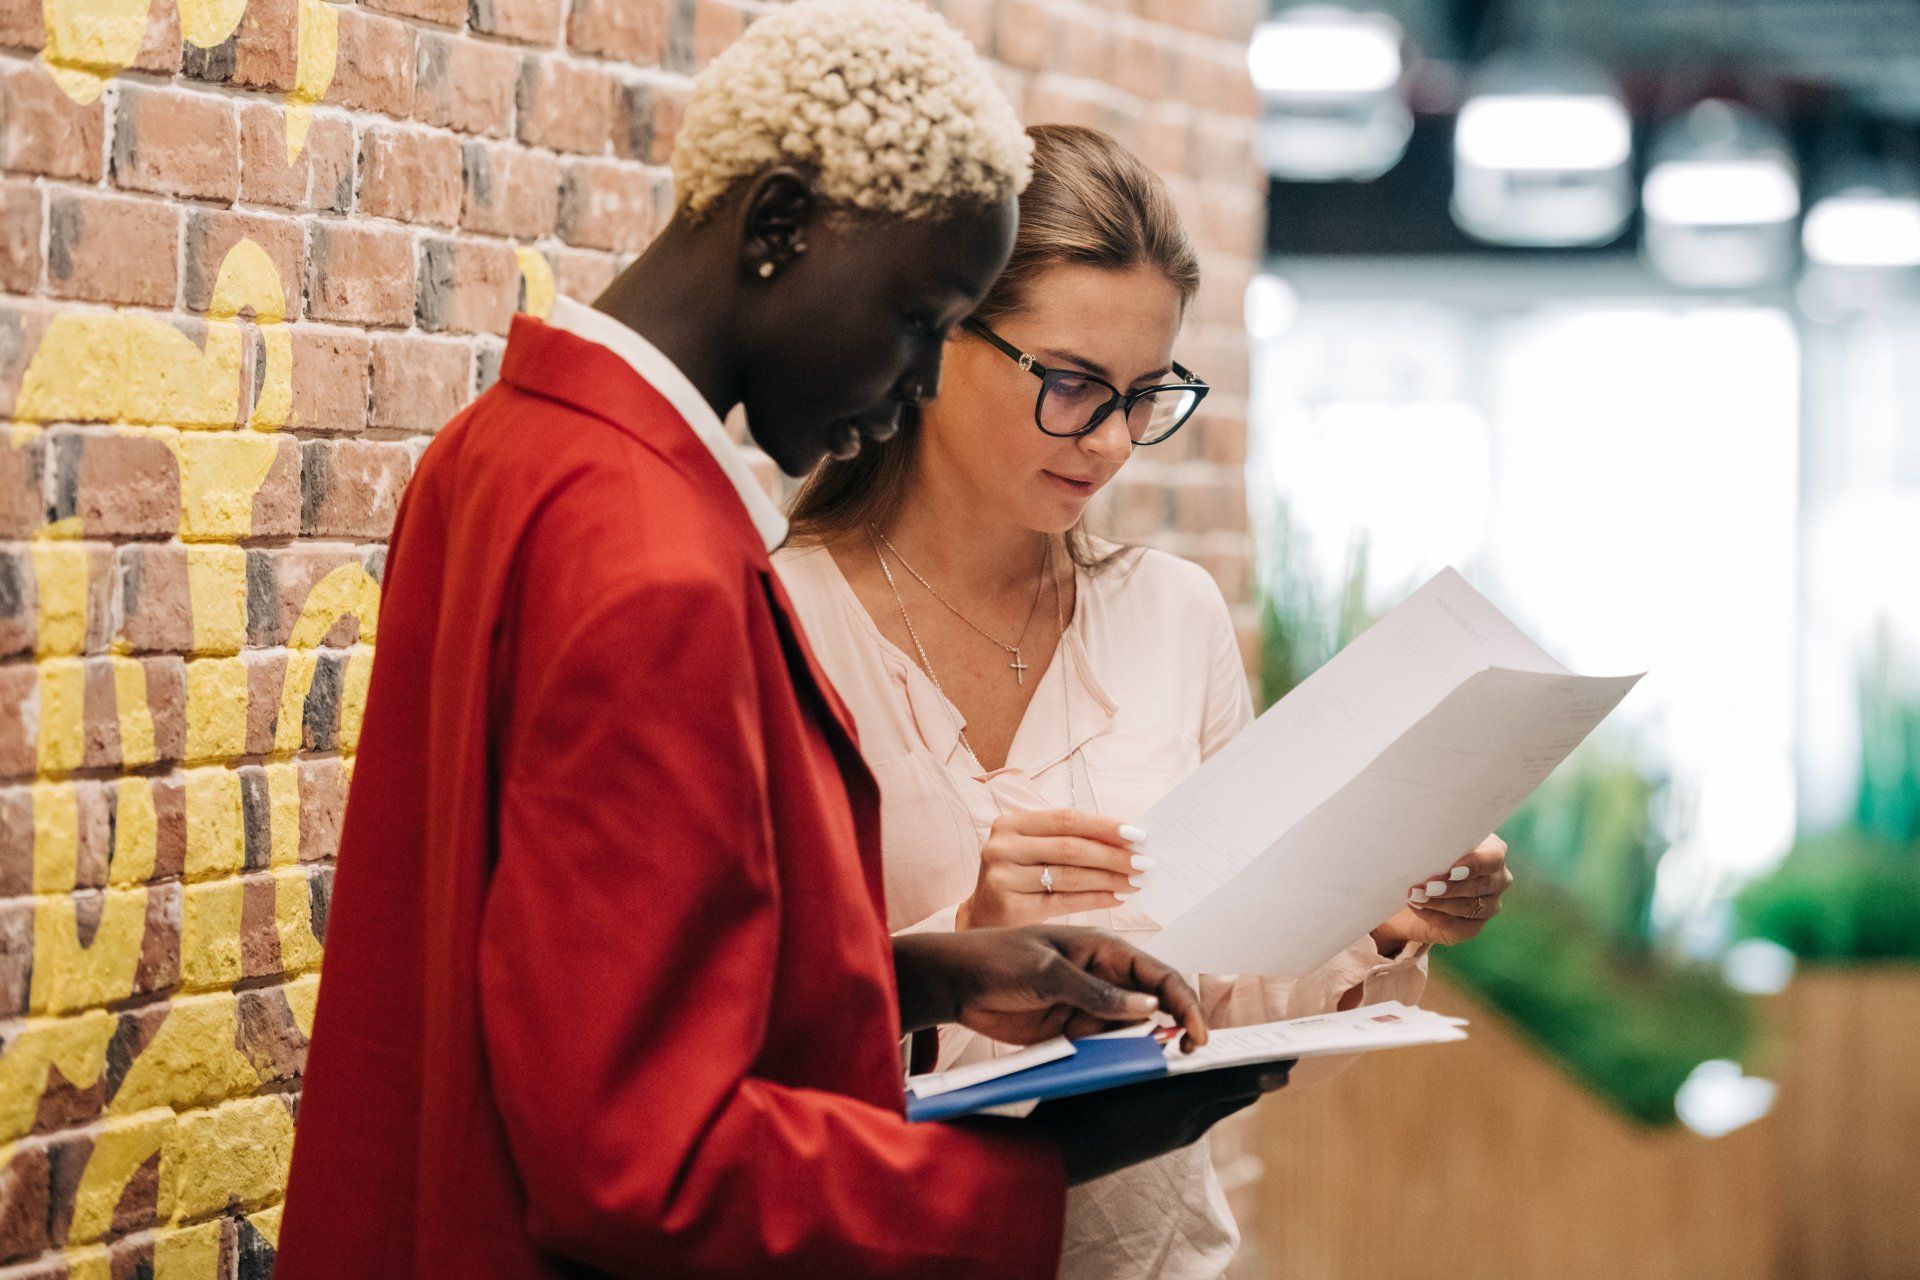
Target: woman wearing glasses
[{"x": 1024, "y": 691}]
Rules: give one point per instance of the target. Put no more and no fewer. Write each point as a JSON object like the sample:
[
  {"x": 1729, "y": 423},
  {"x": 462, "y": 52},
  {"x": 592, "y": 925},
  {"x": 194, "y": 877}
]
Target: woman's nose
[{"x": 1110, "y": 439}]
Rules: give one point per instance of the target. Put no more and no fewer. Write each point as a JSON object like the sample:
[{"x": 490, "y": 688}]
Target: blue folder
[{"x": 1095, "y": 1065}]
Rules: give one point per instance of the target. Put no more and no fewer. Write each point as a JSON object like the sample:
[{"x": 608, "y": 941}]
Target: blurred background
[{"x": 1615, "y": 306}]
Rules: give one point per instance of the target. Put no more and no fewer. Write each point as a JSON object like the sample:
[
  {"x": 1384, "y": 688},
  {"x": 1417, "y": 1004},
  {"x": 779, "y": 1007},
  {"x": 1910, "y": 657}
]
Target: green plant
[
  {"x": 1630, "y": 1024},
  {"x": 1843, "y": 896}
]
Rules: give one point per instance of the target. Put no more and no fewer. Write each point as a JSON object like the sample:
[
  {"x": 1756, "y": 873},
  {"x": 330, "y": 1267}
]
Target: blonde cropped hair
[{"x": 882, "y": 100}]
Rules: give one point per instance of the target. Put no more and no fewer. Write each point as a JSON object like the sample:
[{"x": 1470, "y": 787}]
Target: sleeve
[
  {"x": 1228, "y": 706},
  {"x": 632, "y": 919}
]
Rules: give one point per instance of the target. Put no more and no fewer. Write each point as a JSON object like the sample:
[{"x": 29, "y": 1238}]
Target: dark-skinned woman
[{"x": 609, "y": 989}]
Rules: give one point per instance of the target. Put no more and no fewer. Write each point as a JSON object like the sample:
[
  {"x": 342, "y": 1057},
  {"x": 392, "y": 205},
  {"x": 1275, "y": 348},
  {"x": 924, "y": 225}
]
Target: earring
[{"x": 766, "y": 270}]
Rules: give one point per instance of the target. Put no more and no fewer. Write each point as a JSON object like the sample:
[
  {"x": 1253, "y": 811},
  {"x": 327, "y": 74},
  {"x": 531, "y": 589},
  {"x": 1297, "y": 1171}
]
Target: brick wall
[{"x": 252, "y": 254}]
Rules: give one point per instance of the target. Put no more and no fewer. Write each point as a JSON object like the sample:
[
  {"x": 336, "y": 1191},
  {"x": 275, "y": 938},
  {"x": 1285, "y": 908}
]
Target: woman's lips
[{"x": 1080, "y": 488}]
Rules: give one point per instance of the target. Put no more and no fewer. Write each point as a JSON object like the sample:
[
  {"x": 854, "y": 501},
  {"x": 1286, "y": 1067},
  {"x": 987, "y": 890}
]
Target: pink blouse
[{"x": 1153, "y": 685}]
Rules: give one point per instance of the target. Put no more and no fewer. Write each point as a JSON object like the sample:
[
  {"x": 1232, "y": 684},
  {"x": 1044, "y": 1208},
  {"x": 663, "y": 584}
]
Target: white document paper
[
  {"x": 934, "y": 1083},
  {"x": 1386, "y": 1025},
  {"x": 1381, "y": 769}
]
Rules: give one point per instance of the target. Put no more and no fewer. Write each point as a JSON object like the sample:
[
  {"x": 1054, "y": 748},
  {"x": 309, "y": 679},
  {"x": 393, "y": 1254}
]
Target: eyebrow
[{"x": 1055, "y": 354}]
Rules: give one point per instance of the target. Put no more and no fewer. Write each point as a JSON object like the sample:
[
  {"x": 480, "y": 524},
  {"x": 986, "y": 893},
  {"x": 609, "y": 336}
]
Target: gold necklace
[
  {"x": 1018, "y": 664},
  {"x": 926, "y": 664}
]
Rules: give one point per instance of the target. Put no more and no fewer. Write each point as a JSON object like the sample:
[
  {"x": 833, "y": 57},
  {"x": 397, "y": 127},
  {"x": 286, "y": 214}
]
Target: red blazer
[{"x": 608, "y": 987}]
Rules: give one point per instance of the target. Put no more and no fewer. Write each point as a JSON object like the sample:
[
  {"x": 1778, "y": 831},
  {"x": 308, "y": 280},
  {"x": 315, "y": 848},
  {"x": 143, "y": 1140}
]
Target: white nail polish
[
  {"x": 1142, "y": 862},
  {"x": 1417, "y": 898},
  {"x": 1132, "y": 834},
  {"x": 1123, "y": 897},
  {"x": 1459, "y": 873},
  {"x": 1135, "y": 882},
  {"x": 1436, "y": 888}
]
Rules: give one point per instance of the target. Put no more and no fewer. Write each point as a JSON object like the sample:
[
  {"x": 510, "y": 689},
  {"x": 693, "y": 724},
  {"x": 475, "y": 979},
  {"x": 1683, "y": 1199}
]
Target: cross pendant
[{"x": 1019, "y": 668}]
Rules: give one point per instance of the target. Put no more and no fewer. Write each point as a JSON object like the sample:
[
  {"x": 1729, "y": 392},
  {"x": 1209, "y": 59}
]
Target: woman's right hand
[{"x": 1090, "y": 859}]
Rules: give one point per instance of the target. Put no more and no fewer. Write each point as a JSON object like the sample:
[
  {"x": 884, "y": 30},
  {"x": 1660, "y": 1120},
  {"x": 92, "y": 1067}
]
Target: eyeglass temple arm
[{"x": 1006, "y": 348}]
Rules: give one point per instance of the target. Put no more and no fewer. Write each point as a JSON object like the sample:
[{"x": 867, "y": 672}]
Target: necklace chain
[
  {"x": 1019, "y": 664},
  {"x": 926, "y": 663}
]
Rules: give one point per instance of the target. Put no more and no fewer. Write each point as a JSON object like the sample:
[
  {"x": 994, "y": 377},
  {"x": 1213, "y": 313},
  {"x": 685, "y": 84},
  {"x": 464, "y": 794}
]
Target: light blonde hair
[
  {"x": 882, "y": 100},
  {"x": 1091, "y": 203}
]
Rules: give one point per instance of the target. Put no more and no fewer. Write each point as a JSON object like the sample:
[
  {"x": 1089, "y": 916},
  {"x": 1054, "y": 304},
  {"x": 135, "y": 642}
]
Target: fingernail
[
  {"x": 1436, "y": 888},
  {"x": 1139, "y": 1003},
  {"x": 1417, "y": 898},
  {"x": 1123, "y": 897},
  {"x": 1141, "y": 862},
  {"x": 1135, "y": 882},
  {"x": 1132, "y": 834},
  {"x": 1458, "y": 873}
]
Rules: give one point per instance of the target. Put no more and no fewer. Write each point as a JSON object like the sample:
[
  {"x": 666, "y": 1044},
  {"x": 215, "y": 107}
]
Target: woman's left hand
[{"x": 1454, "y": 905}]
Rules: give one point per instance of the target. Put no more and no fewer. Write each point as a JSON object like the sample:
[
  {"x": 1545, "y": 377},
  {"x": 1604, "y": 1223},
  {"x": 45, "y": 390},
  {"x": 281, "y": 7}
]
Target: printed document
[{"x": 1378, "y": 772}]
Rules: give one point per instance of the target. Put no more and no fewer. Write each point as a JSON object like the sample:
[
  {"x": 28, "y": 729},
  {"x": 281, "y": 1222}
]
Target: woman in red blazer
[{"x": 608, "y": 988}]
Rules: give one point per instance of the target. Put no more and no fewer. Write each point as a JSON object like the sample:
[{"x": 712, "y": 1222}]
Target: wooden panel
[
  {"x": 1849, "y": 1126},
  {"x": 1483, "y": 1160}
]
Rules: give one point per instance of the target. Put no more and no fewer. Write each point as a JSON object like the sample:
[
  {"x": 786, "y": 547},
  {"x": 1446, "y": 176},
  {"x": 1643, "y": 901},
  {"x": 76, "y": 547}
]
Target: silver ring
[{"x": 1046, "y": 879}]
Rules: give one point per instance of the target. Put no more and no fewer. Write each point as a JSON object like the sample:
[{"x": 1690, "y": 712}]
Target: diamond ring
[{"x": 1046, "y": 879}]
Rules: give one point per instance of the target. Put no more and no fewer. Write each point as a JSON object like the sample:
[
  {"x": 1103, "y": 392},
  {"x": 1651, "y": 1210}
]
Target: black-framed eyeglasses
[{"x": 1072, "y": 402}]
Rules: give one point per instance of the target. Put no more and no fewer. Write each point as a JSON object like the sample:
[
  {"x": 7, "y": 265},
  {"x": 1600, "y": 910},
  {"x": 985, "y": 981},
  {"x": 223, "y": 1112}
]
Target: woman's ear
[{"x": 778, "y": 211}]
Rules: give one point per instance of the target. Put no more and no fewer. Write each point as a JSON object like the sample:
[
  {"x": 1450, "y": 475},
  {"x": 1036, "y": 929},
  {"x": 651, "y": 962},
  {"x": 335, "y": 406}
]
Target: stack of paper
[
  {"x": 1062, "y": 1068},
  {"x": 1378, "y": 772}
]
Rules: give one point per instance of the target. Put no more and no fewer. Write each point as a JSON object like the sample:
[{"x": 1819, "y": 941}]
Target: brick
[
  {"x": 525, "y": 21},
  {"x": 608, "y": 205},
  {"x": 444, "y": 13},
  {"x": 360, "y": 275},
  {"x": 320, "y": 177},
  {"x": 418, "y": 383},
  {"x": 647, "y": 119},
  {"x": 127, "y": 484},
  {"x": 467, "y": 286},
  {"x": 333, "y": 154},
  {"x": 584, "y": 274},
  {"x": 972, "y": 19},
  {"x": 16, "y": 955},
  {"x": 351, "y": 488},
  {"x": 680, "y": 24},
  {"x": 329, "y": 380},
  {"x": 156, "y": 603},
  {"x": 466, "y": 85},
  {"x": 16, "y": 836},
  {"x": 411, "y": 175},
  {"x": 270, "y": 1035},
  {"x": 565, "y": 106},
  {"x": 374, "y": 70},
  {"x": 621, "y": 29},
  {"x": 266, "y": 680},
  {"x": 23, "y": 25},
  {"x": 26, "y": 1198},
  {"x": 716, "y": 24},
  {"x": 163, "y": 679},
  {"x": 17, "y": 598},
  {"x": 262, "y": 53},
  {"x": 486, "y": 364},
  {"x": 19, "y": 713},
  {"x": 108, "y": 249},
  {"x": 280, "y": 580},
  {"x": 212, "y": 234},
  {"x": 161, "y": 47},
  {"x": 176, "y": 143},
  {"x": 509, "y": 191},
  {"x": 21, "y": 219},
  {"x": 323, "y": 804},
  {"x": 44, "y": 131}
]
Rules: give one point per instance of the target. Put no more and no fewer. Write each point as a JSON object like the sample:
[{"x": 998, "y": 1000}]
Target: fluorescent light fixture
[
  {"x": 1722, "y": 193},
  {"x": 1869, "y": 229},
  {"x": 1542, "y": 153},
  {"x": 1721, "y": 199},
  {"x": 1544, "y": 131},
  {"x": 1321, "y": 50}
]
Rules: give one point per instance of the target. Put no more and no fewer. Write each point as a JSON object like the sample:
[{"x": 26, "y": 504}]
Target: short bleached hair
[{"x": 881, "y": 100}]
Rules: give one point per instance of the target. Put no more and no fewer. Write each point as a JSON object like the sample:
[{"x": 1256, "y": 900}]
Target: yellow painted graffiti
[
  {"x": 89, "y": 42},
  {"x": 536, "y": 282}
]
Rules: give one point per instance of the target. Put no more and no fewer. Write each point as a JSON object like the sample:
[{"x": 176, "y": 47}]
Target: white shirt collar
[{"x": 665, "y": 377}]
